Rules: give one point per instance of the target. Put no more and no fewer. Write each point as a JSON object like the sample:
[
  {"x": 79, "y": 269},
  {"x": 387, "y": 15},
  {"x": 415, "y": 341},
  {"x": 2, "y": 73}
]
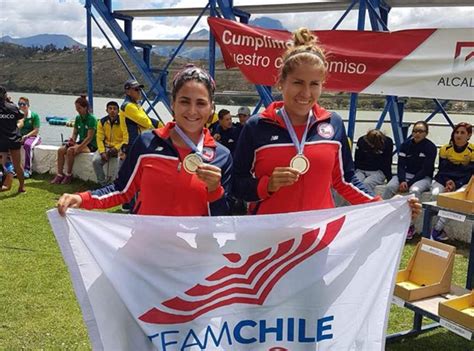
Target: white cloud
[
  {"x": 68, "y": 17},
  {"x": 21, "y": 19}
]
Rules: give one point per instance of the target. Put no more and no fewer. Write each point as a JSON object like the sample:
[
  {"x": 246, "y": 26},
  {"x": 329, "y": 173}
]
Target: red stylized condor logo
[
  {"x": 252, "y": 280},
  {"x": 464, "y": 44}
]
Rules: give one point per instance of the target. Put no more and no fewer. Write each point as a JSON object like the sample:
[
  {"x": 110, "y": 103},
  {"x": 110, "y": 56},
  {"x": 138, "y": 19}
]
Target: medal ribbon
[
  {"x": 298, "y": 145},
  {"x": 196, "y": 148}
]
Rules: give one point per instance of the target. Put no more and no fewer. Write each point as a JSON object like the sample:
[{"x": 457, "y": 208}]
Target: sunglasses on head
[
  {"x": 22, "y": 104},
  {"x": 196, "y": 72}
]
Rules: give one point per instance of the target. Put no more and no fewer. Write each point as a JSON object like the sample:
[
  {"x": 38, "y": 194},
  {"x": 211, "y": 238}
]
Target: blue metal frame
[
  {"x": 126, "y": 42},
  {"x": 90, "y": 78},
  {"x": 162, "y": 78},
  {"x": 377, "y": 11},
  {"x": 145, "y": 97}
]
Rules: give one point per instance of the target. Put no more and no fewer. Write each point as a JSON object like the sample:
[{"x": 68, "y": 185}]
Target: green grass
[{"x": 38, "y": 308}]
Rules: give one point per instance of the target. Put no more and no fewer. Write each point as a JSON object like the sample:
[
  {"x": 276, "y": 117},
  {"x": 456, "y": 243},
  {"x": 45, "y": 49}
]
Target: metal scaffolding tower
[{"x": 139, "y": 51}]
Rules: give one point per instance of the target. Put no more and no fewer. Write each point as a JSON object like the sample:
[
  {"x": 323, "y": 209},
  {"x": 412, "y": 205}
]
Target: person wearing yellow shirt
[
  {"x": 456, "y": 167},
  {"x": 109, "y": 141},
  {"x": 212, "y": 123},
  {"x": 132, "y": 116}
]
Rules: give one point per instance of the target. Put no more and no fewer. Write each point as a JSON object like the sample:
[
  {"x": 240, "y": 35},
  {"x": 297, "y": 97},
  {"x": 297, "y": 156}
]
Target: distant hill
[
  {"x": 59, "y": 71},
  {"x": 201, "y": 53},
  {"x": 194, "y": 53},
  {"x": 42, "y": 40},
  {"x": 267, "y": 22}
]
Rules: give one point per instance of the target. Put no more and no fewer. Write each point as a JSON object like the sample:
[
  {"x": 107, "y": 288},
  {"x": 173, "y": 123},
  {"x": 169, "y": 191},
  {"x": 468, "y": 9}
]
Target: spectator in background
[
  {"x": 373, "y": 159},
  {"x": 226, "y": 133},
  {"x": 85, "y": 126},
  {"x": 244, "y": 114},
  {"x": 212, "y": 123},
  {"x": 109, "y": 141},
  {"x": 10, "y": 137},
  {"x": 29, "y": 133},
  {"x": 133, "y": 118},
  {"x": 456, "y": 167},
  {"x": 133, "y": 121},
  {"x": 415, "y": 166}
]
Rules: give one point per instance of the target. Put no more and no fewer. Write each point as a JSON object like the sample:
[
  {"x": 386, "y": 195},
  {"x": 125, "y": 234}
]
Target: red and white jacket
[
  {"x": 265, "y": 143},
  {"x": 153, "y": 168}
]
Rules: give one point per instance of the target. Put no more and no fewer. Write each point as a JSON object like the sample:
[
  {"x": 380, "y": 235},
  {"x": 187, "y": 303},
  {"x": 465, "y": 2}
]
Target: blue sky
[{"x": 26, "y": 18}]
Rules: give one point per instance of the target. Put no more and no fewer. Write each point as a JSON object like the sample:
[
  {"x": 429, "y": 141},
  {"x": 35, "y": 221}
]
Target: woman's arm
[
  {"x": 33, "y": 133},
  {"x": 125, "y": 186},
  {"x": 428, "y": 164},
  {"x": 86, "y": 141},
  {"x": 74, "y": 135},
  {"x": 36, "y": 125}
]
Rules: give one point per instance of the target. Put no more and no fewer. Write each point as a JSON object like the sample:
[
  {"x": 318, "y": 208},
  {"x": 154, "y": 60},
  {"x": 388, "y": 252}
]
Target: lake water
[{"x": 63, "y": 105}]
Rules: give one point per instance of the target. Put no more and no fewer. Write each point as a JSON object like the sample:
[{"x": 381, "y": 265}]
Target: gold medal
[
  {"x": 191, "y": 163},
  {"x": 300, "y": 163}
]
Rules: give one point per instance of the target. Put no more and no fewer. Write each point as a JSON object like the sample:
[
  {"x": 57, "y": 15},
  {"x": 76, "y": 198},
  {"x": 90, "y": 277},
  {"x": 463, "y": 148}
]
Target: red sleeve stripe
[{"x": 132, "y": 177}]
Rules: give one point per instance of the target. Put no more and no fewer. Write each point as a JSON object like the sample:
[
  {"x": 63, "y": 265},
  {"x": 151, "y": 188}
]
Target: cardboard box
[
  {"x": 462, "y": 201},
  {"x": 459, "y": 310},
  {"x": 428, "y": 273}
]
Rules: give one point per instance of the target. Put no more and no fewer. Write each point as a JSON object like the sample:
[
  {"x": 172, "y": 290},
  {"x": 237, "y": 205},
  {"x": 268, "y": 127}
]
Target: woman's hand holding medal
[
  {"x": 299, "y": 164},
  {"x": 209, "y": 174},
  {"x": 282, "y": 176}
]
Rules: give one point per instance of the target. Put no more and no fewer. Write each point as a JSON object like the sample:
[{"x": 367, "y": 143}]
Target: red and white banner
[
  {"x": 431, "y": 63},
  {"x": 311, "y": 280}
]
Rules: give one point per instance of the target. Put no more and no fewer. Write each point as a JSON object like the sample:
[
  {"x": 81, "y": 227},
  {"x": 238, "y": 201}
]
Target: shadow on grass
[
  {"x": 42, "y": 182},
  {"x": 14, "y": 193},
  {"x": 439, "y": 339}
]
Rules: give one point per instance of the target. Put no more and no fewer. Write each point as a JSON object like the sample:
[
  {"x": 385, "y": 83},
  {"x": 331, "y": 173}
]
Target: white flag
[{"x": 316, "y": 280}]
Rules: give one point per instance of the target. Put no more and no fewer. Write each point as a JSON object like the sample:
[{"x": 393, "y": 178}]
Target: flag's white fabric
[
  {"x": 441, "y": 67},
  {"x": 318, "y": 280}
]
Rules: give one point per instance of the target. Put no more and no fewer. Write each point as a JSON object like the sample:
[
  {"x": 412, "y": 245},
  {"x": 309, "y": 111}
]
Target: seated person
[
  {"x": 226, "y": 133},
  {"x": 84, "y": 127},
  {"x": 29, "y": 133},
  {"x": 456, "y": 166},
  {"x": 109, "y": 140},
  {"x": 373, "y": 159},
  {"x": 415, "y": 166}
]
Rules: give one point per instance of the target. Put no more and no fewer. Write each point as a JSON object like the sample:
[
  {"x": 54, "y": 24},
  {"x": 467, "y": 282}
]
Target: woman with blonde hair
[{"x": 289, "y": 156}]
